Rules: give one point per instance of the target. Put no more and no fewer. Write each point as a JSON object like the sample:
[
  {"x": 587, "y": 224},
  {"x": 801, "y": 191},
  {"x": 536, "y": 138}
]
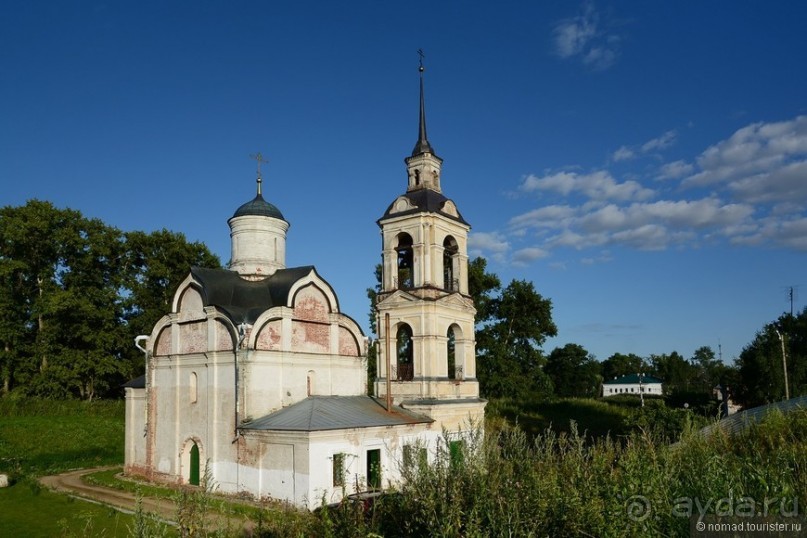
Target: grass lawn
[
  {"x": 26, "y": 509},
  {"x": 41, "y": 437}
]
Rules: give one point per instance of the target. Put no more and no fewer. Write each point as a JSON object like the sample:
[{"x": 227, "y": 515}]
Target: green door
[
  {"x": 193, "y": 477},
  {"x": 374, "y": 469}
]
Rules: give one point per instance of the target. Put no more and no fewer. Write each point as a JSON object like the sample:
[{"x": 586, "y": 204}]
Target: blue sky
[{"x": 644, "y": 164}]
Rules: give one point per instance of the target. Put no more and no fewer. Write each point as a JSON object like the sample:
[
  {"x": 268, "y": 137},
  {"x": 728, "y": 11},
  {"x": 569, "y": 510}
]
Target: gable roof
[
  {"x": 425, "y": 201},
  {"x": 633, "y": 379},
  {"x": 245, "y": 300},
  {"x": 320, "y": 413}
]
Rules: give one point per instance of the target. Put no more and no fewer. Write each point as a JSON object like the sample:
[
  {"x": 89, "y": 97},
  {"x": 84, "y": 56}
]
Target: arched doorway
[{"x": 193, "y": 467}]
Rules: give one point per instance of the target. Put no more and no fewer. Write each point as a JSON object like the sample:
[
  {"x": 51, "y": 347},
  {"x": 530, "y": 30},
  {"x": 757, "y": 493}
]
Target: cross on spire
[{"x": 259, "y": 158}]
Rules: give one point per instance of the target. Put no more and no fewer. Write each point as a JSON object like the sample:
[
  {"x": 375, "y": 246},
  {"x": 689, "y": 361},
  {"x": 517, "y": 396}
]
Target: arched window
[
  {"x": 405, "y": 262},
  {"x": 451, "y": 353},
  {"x": 450, "y": 264},
  {"x": 405, "y": 364}
]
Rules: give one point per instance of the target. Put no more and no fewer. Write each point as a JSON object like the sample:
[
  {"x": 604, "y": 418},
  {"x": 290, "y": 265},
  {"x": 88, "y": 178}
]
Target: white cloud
[
  {"x": 675, "y": 170},
  {"x": 648, "y": 226},
  {"x": 529, "y": 254},
  {"x": 757, "y": 150},
  {"x": 583, "y": 37},
  {"x": 664, "y": 141},
  {"x": 598, "y": 185},
  {"x": 623, "y": 154},
  {"x": 494, "y": 243},
  {"x": 751, "y": 191}
]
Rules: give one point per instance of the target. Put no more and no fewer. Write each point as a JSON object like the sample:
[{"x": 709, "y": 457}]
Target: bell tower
[{"x": 425, "y": 316}]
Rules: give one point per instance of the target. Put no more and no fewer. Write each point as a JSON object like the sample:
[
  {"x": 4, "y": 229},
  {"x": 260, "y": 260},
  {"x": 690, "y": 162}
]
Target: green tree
[
  {"x": 61, "y": 273},
  {"x": 573, "y": 371},
  {"x": 372, "y": 353},
  {"x": 73, "y": 294},
  {"x": 620, "y": 364},
  {"x": 509, "y": 356},
  {"x": 676, "y": 372},
  {"x": 157, "y": 263},
  {"x": 483, "y": 287},
  {"x": 761, "y": 372}
]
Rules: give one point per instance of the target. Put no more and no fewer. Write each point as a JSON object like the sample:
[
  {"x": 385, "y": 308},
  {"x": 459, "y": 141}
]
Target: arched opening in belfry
[
  {"x": 405, "y": 262},
  {"x": 404, "y": 364},
  {"x": 451, "y": 264}
]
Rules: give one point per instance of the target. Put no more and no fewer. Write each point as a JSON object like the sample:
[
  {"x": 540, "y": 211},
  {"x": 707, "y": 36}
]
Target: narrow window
[
  {"x": 339, "y": 469},
  {"x": 451, "y": 354},
  {"x": 405, "y": 365},
  {"x": 405, "y": 262},
  {"x": 193, "y": 388}
]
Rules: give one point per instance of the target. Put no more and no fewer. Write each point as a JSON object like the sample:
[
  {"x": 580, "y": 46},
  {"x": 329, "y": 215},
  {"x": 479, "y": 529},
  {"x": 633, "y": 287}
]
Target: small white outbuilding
[{"x": 633, "y": 384}]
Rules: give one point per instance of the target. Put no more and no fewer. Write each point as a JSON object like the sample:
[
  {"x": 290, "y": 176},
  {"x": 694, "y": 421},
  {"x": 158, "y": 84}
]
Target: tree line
[
  {"x": 513, "y": 322},
  {"x": 74, "y": 292}
]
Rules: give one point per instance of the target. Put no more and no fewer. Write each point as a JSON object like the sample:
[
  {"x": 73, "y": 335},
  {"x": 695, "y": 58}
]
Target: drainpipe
[
  {"x": 242, "y": 333},
  {"x": 144, "y": 338},
  {"x": 388, "y": 365},
  {"x": 147, "y": 408}
]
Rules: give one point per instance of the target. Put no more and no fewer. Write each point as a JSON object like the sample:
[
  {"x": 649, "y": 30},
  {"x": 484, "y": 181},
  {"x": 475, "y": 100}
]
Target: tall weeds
[{"x": 562, "y": 485}]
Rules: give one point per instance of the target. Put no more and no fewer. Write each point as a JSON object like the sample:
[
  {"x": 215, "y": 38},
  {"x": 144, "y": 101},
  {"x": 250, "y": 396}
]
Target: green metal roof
[{"x": 633, "y": 379}]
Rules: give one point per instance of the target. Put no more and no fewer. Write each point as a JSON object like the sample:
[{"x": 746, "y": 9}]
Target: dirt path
[{"x": 72, "y": 484}]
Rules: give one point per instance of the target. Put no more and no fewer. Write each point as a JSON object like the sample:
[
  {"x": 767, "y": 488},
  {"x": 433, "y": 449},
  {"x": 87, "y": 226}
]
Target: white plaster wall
[
  {"x": 209, "y": 420},
  {"x": 134, "y": 438},
  {"x": 625, "y": 388},
  {"x": 276, "y": 379},
  {"x": 258, "y": 245}
]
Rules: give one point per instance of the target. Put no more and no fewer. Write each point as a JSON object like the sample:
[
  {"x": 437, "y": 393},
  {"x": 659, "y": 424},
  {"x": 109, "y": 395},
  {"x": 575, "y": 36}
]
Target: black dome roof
[{"x": 258, "y": 207}]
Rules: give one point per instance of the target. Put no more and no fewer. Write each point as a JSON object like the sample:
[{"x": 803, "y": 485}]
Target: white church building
[{"x": 257, "y": 380}]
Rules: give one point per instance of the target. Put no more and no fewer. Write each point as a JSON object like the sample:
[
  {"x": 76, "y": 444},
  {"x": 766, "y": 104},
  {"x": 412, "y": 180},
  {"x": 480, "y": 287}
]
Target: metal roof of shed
[{"x": 318, "y": 413}]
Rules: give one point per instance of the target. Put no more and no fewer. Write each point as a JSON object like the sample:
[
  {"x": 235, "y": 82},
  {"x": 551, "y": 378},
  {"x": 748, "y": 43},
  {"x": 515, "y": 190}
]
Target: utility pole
[
  {"x": 641, "y": 388},
  {"x": 784, "y": 363}
]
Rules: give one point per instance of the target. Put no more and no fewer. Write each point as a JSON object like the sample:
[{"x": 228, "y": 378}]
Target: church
[{"x": 257, "y": 382}]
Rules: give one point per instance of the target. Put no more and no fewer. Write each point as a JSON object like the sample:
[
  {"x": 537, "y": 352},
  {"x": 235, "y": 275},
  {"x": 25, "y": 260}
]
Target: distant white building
[
  {"x": 633, "y": 384},
  {"x": 256, "y": 379}
]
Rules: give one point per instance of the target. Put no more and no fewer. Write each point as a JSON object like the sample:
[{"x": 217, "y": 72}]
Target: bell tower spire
[
  {"x": 423, "y": 166},
  {"x": 422, "y": 145},
  {"x": 425, "y": 314}
]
